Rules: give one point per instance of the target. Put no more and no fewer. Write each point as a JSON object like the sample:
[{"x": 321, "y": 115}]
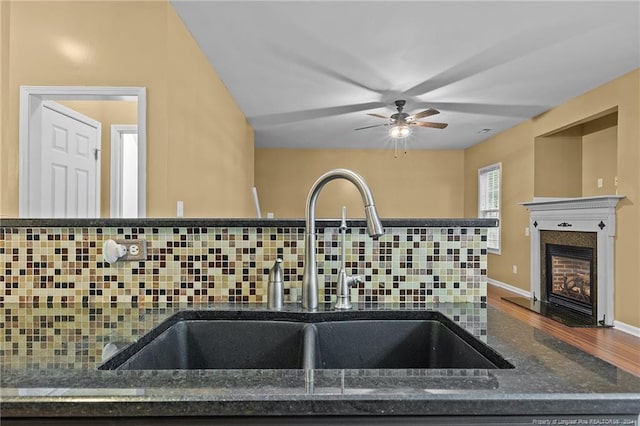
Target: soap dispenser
[{"x": 275, "y": 291}]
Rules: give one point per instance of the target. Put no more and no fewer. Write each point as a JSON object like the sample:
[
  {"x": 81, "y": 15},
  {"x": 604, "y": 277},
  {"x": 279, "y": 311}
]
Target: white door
[{"x": 70, "y": 163}]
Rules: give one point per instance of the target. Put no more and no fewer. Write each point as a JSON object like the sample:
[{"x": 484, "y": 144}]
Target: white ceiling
[{"x": 306, "y": 73}]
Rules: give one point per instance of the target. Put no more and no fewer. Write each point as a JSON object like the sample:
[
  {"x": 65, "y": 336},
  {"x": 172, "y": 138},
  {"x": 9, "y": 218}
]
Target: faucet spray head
[{"x": 374, "y": 226}]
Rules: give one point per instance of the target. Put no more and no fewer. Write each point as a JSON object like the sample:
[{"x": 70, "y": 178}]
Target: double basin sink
[{"x": 219, "y": 339}]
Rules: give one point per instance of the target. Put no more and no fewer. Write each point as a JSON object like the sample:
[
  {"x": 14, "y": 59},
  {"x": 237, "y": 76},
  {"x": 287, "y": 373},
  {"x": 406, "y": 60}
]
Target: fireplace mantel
[
  {"x": 552, "y": 204},
  {"x": 584, "y": 214}
]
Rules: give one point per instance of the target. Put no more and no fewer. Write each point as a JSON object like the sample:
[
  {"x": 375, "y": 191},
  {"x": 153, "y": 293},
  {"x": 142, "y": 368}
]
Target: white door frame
[
  {"x": 117, "y": 130},
  {"x": 31, "y": 97}
]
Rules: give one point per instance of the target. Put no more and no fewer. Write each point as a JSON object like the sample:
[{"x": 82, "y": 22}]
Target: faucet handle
[
  {"x": 344, "y": 282},
  {"x": 354, "y": 280}
]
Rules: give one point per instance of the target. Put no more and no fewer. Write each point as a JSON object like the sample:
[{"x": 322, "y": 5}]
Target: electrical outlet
[
  {"x": 515, "y": 269},
  {"x": 526, "y": 231},
  {"x": 600, "y": 182},
  {"x": 136, "y": 249}
]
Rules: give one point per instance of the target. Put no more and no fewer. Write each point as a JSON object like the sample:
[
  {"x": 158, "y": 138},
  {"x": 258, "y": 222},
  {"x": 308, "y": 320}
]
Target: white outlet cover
[{"x": 112, "y": 251}]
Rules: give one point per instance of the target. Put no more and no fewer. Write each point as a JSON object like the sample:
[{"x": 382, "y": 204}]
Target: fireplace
[
  {"x": 569, "y": 275},
  {"x": 578, "y": 234},
  {"x": 570, "y": 281}
]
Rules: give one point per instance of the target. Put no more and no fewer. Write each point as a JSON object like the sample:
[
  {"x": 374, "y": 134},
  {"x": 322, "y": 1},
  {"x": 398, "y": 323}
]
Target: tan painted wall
[
  {"x": 5, "y": 166},
  {"x": 515, "y": 148},
  {"x": 418, "y": 184},
  {"x": 74, "y": 43},
  {"x": 599, "y": 161},
  {"x": 210, "y": 147},
  {"x": 107, "y": 113},
  {"x": 570, "y": 162},
  {"x": 558, "y": 166}
]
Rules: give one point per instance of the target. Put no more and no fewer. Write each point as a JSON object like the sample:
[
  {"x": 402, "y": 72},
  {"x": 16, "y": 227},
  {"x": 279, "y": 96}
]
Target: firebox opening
[{"x": 570, "y": 278}]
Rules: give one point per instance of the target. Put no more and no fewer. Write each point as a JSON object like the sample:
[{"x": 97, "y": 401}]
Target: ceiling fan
[{"x": 401, "y": 122}]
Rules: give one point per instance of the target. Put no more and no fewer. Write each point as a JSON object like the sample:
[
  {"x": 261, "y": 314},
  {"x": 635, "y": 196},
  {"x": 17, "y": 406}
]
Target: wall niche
[{"x": 579, "y": 160}]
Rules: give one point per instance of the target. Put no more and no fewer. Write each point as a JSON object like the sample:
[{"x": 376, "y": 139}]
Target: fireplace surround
[{"x": 584, "y": 224}]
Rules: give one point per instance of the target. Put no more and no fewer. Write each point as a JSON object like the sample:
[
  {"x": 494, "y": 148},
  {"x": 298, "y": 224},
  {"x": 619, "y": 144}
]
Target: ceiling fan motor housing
[
  {"x": 400, "y": 117},
  {"x": 400, "y": 104}
]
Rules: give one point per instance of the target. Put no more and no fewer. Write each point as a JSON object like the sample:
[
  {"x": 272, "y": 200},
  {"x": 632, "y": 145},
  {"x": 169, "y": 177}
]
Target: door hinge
[{"x": 97, "y": 153}]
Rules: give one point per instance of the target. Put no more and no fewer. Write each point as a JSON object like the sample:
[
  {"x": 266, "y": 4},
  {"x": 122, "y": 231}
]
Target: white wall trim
[
  {"x": 626, "y": 328},
  {"x": 509, "y": 287}
]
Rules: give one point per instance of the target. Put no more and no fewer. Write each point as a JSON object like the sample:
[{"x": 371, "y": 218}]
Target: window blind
[{"x": 489, "y": 201}]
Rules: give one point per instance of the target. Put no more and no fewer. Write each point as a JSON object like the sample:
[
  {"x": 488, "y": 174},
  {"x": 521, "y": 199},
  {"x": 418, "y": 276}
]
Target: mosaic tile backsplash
[
  {"x": 61, "y": 303},
  {"x": 72, "y": 336},
  {"x": 231, "y": 264}
]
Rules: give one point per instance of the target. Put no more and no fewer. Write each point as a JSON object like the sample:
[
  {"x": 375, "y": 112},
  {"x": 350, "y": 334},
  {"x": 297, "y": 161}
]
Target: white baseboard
[
  {"x": 630, "y": 329},
  {"x": 509, "y": 287},
  {"x": 618, "y": 325}
]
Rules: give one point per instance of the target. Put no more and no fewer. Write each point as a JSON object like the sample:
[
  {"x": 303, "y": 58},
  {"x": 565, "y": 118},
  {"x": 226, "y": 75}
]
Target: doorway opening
[
  {"x": 124, "y": 171},
  {"x": 31, "y": 104}
]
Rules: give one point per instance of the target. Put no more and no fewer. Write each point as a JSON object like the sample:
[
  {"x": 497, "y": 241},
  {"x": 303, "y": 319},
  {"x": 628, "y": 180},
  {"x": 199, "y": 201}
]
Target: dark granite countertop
[
  {"x": 550, "y": 378},
  {"x": 241, "y": 222}
]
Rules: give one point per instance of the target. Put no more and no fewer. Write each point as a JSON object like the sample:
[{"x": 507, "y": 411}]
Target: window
[{"x": 489, "y": 201}]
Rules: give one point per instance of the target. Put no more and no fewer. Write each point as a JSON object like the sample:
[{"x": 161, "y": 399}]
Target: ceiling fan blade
[
  {"x": 378, "y": 115},
  {"x": 519, "y": 111},
  {"x": 322, "y": 69},
  {"x": 309, "y": 114},
  {"x": 368, "y": 127},
  {"x": 354, "y": 72},
  {"x": 506, "y": 51},
  {"x": 426, "y": 113},
  {"x": 429, "y": 124}
]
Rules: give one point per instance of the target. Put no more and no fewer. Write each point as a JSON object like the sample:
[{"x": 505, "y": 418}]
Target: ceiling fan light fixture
[{"x": 399, "y": 131}]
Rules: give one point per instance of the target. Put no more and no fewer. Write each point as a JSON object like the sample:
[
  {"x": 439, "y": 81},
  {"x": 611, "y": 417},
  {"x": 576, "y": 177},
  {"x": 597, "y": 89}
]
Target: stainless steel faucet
[{"x": 374, "y": 229}]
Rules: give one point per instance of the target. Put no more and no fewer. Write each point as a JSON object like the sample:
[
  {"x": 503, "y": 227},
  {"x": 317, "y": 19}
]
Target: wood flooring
[{"x": 616, "y": 347}]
